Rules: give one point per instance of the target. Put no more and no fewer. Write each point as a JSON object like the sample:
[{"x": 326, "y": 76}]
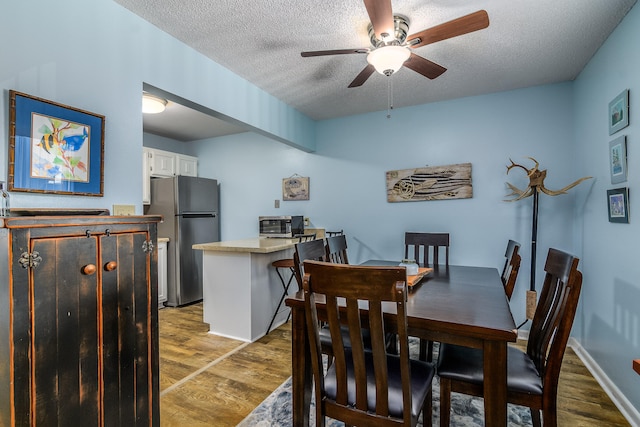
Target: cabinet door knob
[
  {"x": 89, "y": 269},
  {"x": 110, "y": 266}
]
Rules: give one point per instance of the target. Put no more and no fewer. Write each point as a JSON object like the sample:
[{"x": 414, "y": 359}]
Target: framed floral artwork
[{"x": 54, "y": 148}]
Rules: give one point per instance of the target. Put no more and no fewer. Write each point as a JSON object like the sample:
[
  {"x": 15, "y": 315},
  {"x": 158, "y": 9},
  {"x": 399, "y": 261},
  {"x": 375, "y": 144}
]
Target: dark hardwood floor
[{"x": 206, "y": 380}]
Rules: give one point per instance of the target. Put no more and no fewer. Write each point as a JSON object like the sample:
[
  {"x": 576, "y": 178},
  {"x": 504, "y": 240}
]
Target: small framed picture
[
  {"x": 619, "y": 112},
  {"x": 618, "y": 159},
  {"x": 295, "y": 188},
  {"x": 618, "y": 205}
]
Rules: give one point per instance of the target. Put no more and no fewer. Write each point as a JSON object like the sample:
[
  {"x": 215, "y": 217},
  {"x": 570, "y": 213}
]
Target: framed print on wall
[
  {"x": 618, "y": 205},
  {"x": 619, "y": 112},
  {"x": 295, "y": 188},
  {"x": 54, "y": 148},
  {"x": 618, "y": 159}
]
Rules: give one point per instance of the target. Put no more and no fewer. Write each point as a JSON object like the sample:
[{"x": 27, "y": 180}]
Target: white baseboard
[
  {"x": 626, "y": 408},
  {"x": 622, "y": 403}
]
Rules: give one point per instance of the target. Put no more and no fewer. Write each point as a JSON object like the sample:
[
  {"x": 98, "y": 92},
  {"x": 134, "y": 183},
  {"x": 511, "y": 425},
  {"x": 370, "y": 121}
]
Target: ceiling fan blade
[
  {"x": 381, "y": 16},
  {"x": 363, "y": 76},
  {"x": 466, "y": 24},
  {"x": 333, "y": 52},
  {"x": 423, "y": 66}
]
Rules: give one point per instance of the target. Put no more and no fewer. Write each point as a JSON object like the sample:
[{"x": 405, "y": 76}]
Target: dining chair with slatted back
[
  {"x": 425, "y": 248},
  {"x": 363, "y": 387},
  {"x": 532, "y": 376},
  {"x": 511, "y": 267},
  {"x": 309, "y": 250},
  {"x": 334, "y": 233},
  {"x": 337, "y": 249}
]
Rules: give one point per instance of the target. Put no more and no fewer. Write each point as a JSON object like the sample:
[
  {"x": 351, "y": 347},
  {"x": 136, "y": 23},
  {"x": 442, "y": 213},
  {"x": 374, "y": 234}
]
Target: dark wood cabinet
[{"x": 78, "y": 320}]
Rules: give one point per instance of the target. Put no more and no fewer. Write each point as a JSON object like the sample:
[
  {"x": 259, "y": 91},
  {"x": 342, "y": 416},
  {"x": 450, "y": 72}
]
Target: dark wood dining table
[{"x": 454, "y": 304}]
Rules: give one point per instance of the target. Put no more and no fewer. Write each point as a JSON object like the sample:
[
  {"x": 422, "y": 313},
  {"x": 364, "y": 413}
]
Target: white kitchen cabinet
[
  {"x": 163, "y": 163},
  {"x": 162, "y": 273},
  {"x": 187, "y": 165}
]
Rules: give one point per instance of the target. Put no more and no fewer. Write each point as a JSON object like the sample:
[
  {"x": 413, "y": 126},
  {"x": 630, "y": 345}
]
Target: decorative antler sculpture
[
  {"x": 536, "y": 185},
  {"x": 536, "y": 182}
]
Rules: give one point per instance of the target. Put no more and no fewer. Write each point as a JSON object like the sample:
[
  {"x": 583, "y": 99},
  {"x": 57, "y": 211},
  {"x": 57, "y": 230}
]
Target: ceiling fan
[{"x": 391, "y": 47}]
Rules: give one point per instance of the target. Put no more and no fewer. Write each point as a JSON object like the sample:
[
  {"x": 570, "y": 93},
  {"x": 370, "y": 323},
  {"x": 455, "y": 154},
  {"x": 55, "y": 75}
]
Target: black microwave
[{"x": 281, "y": 226}]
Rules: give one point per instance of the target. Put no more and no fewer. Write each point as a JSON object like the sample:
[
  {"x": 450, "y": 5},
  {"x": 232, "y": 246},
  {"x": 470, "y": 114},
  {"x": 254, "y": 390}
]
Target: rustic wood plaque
[{"x": 430, "y": 183}]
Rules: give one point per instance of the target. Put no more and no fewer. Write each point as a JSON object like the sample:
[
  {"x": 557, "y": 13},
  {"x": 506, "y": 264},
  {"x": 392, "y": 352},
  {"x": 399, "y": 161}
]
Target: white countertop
[
  {"x": 163, "y": 239},
  {"x": 256, "y": 245}
]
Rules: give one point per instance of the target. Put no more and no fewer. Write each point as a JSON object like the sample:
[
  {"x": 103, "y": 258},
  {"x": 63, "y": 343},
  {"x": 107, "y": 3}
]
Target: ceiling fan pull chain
[{"x": 389, "y": 97}]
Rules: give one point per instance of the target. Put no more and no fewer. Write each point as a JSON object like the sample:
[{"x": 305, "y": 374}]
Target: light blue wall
[
  {"x": 96, "y": 56},
  {"x": 610, "y": 315},
  {"x": 348, "y": 181}
]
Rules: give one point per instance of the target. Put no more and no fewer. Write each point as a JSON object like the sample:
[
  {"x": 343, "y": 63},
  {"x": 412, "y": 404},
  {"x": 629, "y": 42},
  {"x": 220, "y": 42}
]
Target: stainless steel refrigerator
[{"x": 190, "y": 210}]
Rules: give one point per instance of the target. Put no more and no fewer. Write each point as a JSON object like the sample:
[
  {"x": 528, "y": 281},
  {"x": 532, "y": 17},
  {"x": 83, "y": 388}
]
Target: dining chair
[
  {"x": 511, "y": 267},
  {"x": 287, "y": 264},
  {"x": 336, "y": 247},
  {"x": 425, "y": 248},
  {"x": 334, "y": 233},
  {"x": 420, "y": 245},
  {"x": 364, "y": 387},
  {"x": 316, "y": 250},
  {"x": 307, "y": 250},
  {"x": 532, "y": 375}
]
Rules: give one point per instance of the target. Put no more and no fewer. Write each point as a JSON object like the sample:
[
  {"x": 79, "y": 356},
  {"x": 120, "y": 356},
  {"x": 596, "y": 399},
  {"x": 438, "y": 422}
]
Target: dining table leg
[
  {"x": 495, "y": 383},
  {"x": 301, "y": 376}
]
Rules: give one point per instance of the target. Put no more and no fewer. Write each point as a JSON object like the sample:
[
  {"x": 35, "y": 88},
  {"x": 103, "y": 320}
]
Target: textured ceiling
[{"x": 527, "y": 43}]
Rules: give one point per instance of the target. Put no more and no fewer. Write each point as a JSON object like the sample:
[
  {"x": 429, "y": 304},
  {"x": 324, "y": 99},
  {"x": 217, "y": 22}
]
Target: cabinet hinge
[
  {"x": 147, "y": 246},
  {"x": 30, "y": 260}
]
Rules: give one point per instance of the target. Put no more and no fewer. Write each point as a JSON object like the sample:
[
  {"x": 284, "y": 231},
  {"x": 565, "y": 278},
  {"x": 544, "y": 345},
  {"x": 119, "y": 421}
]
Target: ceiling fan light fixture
[
  {"x": 152, "y": 104},
  {"x": 388, "y": 59}
]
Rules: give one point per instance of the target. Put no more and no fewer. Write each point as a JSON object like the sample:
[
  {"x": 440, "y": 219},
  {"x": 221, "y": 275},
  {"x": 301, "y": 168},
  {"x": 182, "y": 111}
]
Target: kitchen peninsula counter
[
  {"x": 241, "y": 288},
  {"x": 258, "y": 245}
]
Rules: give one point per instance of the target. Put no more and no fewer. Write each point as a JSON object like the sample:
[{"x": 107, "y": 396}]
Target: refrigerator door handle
[{"x": 199, "y": 215}]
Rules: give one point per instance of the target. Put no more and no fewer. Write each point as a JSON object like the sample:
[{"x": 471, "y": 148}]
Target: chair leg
[
  {"x": 392, "y": 343},
  {"x": 427, "y": 410},
  {"x": 284, "y": 294},
  {"x": 535, "y": 418},
  {"x": 445, "y": 402},
  {"x": 426, "y": 350}
]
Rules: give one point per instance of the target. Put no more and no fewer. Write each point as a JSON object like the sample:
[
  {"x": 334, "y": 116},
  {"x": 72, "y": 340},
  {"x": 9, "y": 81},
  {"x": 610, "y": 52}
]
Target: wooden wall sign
[{"x": 430, "y": 183}]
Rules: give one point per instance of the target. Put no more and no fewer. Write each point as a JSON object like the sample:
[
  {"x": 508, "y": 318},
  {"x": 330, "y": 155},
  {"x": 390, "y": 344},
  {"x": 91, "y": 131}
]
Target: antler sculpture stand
[{"x": 536, "y": 185}]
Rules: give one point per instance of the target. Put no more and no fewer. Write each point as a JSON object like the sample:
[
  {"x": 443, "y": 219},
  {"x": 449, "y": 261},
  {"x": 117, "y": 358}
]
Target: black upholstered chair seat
[
  {"x": 460, "y": 363},
  {"x": 421, "y": 376}
]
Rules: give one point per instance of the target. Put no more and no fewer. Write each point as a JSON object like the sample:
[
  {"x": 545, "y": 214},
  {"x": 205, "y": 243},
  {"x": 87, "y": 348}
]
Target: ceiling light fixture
[
  {"x": 152, "y": 104},
  {"x": 388, "y": 59}
]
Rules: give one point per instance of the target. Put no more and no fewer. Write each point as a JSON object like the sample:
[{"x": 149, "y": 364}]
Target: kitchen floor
[{"x": 207, "y": 380}]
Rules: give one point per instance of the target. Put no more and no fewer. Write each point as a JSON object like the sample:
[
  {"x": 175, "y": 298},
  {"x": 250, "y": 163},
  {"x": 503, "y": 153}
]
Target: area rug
[{"x": 466, "y": 411}]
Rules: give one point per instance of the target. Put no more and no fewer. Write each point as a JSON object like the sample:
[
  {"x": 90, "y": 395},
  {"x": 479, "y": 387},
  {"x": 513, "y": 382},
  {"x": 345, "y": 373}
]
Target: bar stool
[{"x": 287, "y": 263}]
